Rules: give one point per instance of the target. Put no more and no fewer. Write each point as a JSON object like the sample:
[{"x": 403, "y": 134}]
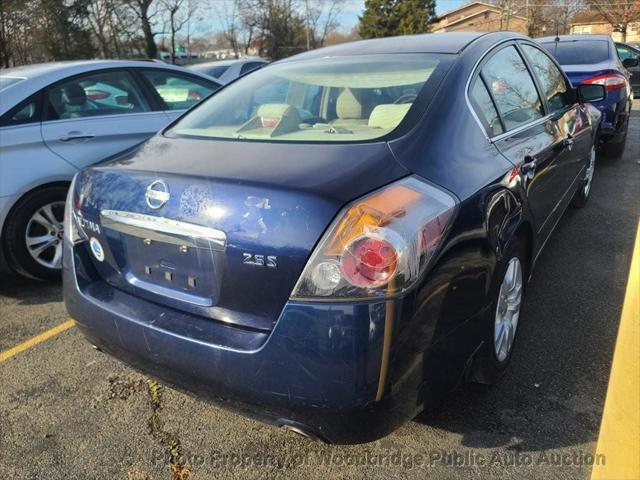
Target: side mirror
[
  {"x": 630, "y": 62},
  {"x": 591, "y": 93}
]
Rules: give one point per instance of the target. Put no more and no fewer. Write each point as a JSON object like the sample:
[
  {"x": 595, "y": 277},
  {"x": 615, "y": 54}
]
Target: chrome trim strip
[
  {"x": 168, "y": 292},
  {"x": 522, "y": 128},
  {"x": 163, "y": 229}
]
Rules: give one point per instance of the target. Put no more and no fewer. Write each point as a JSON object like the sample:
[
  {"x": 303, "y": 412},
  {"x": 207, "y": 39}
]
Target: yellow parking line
[
  {"x": 21, "y": 347},
  {"x": 619, "y": 439}
]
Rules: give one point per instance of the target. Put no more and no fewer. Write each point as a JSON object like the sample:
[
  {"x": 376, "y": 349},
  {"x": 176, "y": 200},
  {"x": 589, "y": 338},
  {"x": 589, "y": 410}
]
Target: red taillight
[
  {"x": 611, "y": 81},
  {"x": 193, "y": 95},
  {"x": 97, "y": 95},
  {"x": 380, "y": 244},
  {"x": 369, "y": 262}
]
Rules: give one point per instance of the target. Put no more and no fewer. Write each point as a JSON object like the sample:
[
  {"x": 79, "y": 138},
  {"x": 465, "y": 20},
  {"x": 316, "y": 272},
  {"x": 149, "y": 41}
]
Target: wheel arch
[{"x": 18, "y": 201}]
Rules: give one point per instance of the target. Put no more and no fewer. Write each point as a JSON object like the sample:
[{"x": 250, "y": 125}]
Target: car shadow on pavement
[
  {"x": 30, "y": 292},
  {"x": 553, "y": 393}
]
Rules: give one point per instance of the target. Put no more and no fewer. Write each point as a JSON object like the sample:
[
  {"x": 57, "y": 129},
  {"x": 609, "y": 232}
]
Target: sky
[
  {"x": 208, "y": 21},
  {"x": 353, "y": 8}
]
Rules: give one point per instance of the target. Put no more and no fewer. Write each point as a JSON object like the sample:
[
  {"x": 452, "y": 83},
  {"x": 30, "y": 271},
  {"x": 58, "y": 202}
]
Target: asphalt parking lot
[{"x": 70, "y": 412}]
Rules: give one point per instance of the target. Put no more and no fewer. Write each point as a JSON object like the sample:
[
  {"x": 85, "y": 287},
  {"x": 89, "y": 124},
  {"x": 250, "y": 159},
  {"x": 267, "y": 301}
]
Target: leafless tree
[
  {"x": 229, "y": 14},
  {"x": 179, "y": 14},
  {"x": 619, "y": 13},
  {"x": 321, "y": 18},
  {"x": 146, "y": 12}
]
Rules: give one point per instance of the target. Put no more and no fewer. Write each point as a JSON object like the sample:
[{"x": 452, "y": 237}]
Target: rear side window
[
  {"x": 247, "y": 67},
  {"x": 512, "y": 88},
  {"x": 94, "y": 95},
  {"x": 551, "y": 79},
  {"x": 178, "y": 92},
  {"x": 624, "y": 52},
  {"x": 212, "y": 71},
  {"x": 485, "y": 108},
  {"x": 26, "y": 112},
  {"x": 579, "y": 52}
]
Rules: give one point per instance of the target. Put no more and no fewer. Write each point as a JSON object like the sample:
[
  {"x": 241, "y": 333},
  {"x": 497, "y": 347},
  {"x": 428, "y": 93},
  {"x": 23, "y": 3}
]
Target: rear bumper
[
  {"x": 615, "y": 116},
  {"x": 318, "y": 369}
]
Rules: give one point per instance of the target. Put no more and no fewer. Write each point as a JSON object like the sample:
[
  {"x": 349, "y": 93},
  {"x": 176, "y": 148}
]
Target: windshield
[
  {"x": 579, "y": 52},
  {"x": 8, "y": 81},
  {"x": 321, "y": 100}
]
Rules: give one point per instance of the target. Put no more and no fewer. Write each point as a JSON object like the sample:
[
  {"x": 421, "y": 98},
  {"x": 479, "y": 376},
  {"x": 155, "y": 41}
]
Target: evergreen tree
[
  {"x": 386, "y": 18},
  {"x": 62, "y": 29}
]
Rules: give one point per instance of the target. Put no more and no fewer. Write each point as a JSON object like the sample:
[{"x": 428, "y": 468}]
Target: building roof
[{"x": 467, "y": 5}]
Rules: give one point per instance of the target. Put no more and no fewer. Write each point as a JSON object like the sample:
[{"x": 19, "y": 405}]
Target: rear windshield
[
  {"x": 321, "y": 100},
  {"x": 213, "y": 71},
  {"x": 579, "y": 52},
  {"x": 8, "y": 81}
]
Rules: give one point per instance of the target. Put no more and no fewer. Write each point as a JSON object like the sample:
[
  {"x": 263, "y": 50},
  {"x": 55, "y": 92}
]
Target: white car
[
  {"x": 225, "y": 71},
  {"x": 57, "y": 118}
]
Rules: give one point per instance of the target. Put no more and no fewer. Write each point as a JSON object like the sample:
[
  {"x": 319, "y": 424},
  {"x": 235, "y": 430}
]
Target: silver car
[
  {"x": 225, "y": 71},
  {"x": 57, "y": 118}
]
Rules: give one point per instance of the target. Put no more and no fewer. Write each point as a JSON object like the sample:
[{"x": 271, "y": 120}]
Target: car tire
[
  {"x": 581, "y": 196},
  {"x": 33, "y": 234},
  {"x": 491, "y": 360}
]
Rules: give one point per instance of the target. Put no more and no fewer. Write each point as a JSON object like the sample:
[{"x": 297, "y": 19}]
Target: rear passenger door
[
  {"x": 521, "y": 129},
  {"x": 572, "y": 122},
  {"x": 92, "y": 116}
]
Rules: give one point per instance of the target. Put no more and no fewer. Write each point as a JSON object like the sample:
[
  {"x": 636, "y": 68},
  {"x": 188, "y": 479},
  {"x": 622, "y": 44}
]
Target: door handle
[
  {"x": 76, "y": 136},
  {"x": 528, "y": 168}
]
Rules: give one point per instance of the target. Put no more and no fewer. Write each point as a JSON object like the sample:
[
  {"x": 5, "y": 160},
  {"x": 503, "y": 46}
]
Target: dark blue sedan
[
  {"x": 332, "y": 242},
  {"x": 594, "y": 60}
]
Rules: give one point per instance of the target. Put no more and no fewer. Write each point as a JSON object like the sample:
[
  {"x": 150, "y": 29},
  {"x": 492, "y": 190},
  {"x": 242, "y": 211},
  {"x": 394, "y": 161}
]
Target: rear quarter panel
[{"x": 26, "y": 162}]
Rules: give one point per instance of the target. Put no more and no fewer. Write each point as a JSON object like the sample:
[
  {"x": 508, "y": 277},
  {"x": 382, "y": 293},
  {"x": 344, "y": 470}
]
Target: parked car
[
  {"x": 626, "y": 53},
  {"x": 56, "y": 118},
  {"x": 225, "y": 71},
  {"x": 593, "y": 59},
  {"x": 337, "y": 255}
]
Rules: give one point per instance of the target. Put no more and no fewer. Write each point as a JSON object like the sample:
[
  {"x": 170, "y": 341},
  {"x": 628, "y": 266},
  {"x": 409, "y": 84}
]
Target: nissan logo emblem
[{"x": 157, "y": 194}]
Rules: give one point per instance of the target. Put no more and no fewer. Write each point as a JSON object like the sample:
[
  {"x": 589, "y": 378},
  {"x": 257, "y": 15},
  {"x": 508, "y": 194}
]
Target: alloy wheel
[
  {"x": 44, "y": 234},
  {"x": 508, "y": 309}
]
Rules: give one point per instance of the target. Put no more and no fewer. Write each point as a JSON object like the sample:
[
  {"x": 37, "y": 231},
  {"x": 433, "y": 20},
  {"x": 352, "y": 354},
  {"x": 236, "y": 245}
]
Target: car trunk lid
[
  {"x": 579, "y": 73},
  {"x": 222, "y": 229}
]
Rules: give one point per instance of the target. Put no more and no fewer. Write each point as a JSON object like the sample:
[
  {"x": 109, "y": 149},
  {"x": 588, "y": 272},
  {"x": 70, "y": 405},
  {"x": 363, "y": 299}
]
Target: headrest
[
  {"x": 74, "y": 94},
  {"x": 348, "y": 106},
  {"x": 388, "y": 115},
  {"x": 132, "y": 99}
]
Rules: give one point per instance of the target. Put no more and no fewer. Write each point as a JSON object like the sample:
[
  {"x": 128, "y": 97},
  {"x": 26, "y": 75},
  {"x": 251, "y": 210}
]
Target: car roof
[
  {"x": 225, "y": 63},
  {"x": 449, "y": 42},
  {"x": 38, "y": 76},
  {"x": 573, "y": 38},
  {"x": 78, "y": 66}
]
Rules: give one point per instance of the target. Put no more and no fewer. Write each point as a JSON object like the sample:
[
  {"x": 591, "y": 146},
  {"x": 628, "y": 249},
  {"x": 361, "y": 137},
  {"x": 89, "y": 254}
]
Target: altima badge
[{"x": 157, "y": 194}]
